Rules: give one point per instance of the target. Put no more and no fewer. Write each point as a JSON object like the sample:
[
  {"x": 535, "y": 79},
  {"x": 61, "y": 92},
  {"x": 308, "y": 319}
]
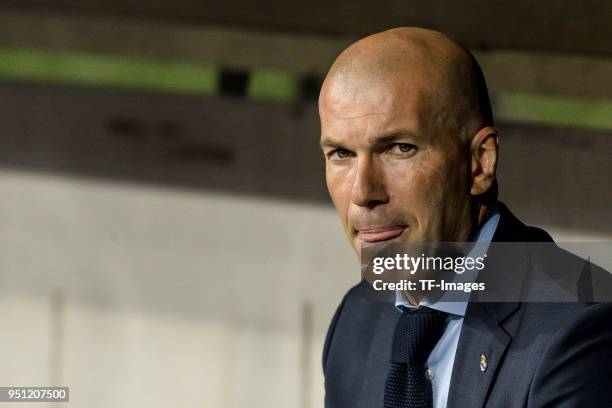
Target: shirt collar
[{"x": 482, "y": 239}]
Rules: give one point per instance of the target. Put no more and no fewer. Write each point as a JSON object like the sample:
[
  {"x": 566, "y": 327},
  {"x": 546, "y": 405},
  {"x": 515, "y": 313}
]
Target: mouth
[{"x": 381, "y": 234}]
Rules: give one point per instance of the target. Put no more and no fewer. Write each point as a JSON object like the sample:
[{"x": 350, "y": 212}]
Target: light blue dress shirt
[{"x": 442, "y": 356}]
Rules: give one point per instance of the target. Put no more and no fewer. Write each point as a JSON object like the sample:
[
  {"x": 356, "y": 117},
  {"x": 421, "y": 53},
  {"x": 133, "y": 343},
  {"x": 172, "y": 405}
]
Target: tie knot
[{"x": 417, "y": 332}]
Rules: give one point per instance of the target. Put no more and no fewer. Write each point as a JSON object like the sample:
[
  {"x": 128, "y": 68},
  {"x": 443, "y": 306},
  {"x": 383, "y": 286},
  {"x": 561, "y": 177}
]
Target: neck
[{"x": 482, "y": 210}]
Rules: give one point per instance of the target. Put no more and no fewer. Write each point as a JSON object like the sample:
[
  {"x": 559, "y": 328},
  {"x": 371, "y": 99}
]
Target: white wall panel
[{"x": 167, "y": 297}]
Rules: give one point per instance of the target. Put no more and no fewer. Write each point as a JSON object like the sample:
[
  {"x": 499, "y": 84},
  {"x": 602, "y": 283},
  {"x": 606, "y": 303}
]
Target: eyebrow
[{"x": 384, "y": 139}]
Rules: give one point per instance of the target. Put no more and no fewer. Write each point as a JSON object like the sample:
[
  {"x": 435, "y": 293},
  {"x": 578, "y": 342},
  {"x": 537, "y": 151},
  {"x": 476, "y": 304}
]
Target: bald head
[
  {"x": 412, "y": 62},
  {"x": 406, "y": 130}
]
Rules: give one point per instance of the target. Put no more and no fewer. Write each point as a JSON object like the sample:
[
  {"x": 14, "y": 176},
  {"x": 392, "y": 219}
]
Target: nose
[{"x": 369, "y": 189}]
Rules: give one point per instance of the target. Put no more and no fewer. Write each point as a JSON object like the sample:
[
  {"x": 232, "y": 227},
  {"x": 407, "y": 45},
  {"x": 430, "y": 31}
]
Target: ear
[{"x": 483, "y": 153}]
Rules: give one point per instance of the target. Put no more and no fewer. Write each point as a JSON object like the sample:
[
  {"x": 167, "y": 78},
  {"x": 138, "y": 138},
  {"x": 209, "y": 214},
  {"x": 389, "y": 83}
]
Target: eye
[
  {"x": 339, "y": 154},
  {"x": 403, "y": 148}
]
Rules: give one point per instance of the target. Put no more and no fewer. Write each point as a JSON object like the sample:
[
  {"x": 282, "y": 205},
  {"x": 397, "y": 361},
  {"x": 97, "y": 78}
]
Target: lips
[{"x": 380, "y": 234}]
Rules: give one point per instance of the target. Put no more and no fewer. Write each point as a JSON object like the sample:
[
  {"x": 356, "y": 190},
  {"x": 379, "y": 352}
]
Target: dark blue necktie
[{"x": 416, "y": 334}]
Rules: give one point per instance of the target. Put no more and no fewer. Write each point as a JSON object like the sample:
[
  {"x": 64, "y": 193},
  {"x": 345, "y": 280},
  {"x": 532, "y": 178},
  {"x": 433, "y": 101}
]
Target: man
[{"x": 411, "y": 152}]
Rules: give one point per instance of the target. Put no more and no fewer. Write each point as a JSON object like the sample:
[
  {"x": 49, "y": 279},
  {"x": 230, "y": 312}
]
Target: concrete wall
[{"x": 148, "y": 297}]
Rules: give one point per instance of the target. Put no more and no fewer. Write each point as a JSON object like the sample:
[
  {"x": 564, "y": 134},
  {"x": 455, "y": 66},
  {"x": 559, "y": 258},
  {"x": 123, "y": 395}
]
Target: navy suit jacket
[{"x": 539, "y": 354}]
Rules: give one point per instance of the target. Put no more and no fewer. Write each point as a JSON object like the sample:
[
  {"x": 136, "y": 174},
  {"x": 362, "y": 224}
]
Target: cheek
[
  {"x": 420, "y": 191},
  {"x": 339, "y": 190},
  {"x": 420, "y": 184}
]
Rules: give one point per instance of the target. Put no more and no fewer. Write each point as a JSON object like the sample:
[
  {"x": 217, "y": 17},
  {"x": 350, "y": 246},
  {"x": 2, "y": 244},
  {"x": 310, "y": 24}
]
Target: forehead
[{"x": 371, "y": 110}]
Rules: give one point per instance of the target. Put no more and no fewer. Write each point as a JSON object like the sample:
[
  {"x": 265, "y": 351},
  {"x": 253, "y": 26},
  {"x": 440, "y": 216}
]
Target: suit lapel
[
  {"x": 482, "y": 332},
  {"x": 481, "y": 335}
]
